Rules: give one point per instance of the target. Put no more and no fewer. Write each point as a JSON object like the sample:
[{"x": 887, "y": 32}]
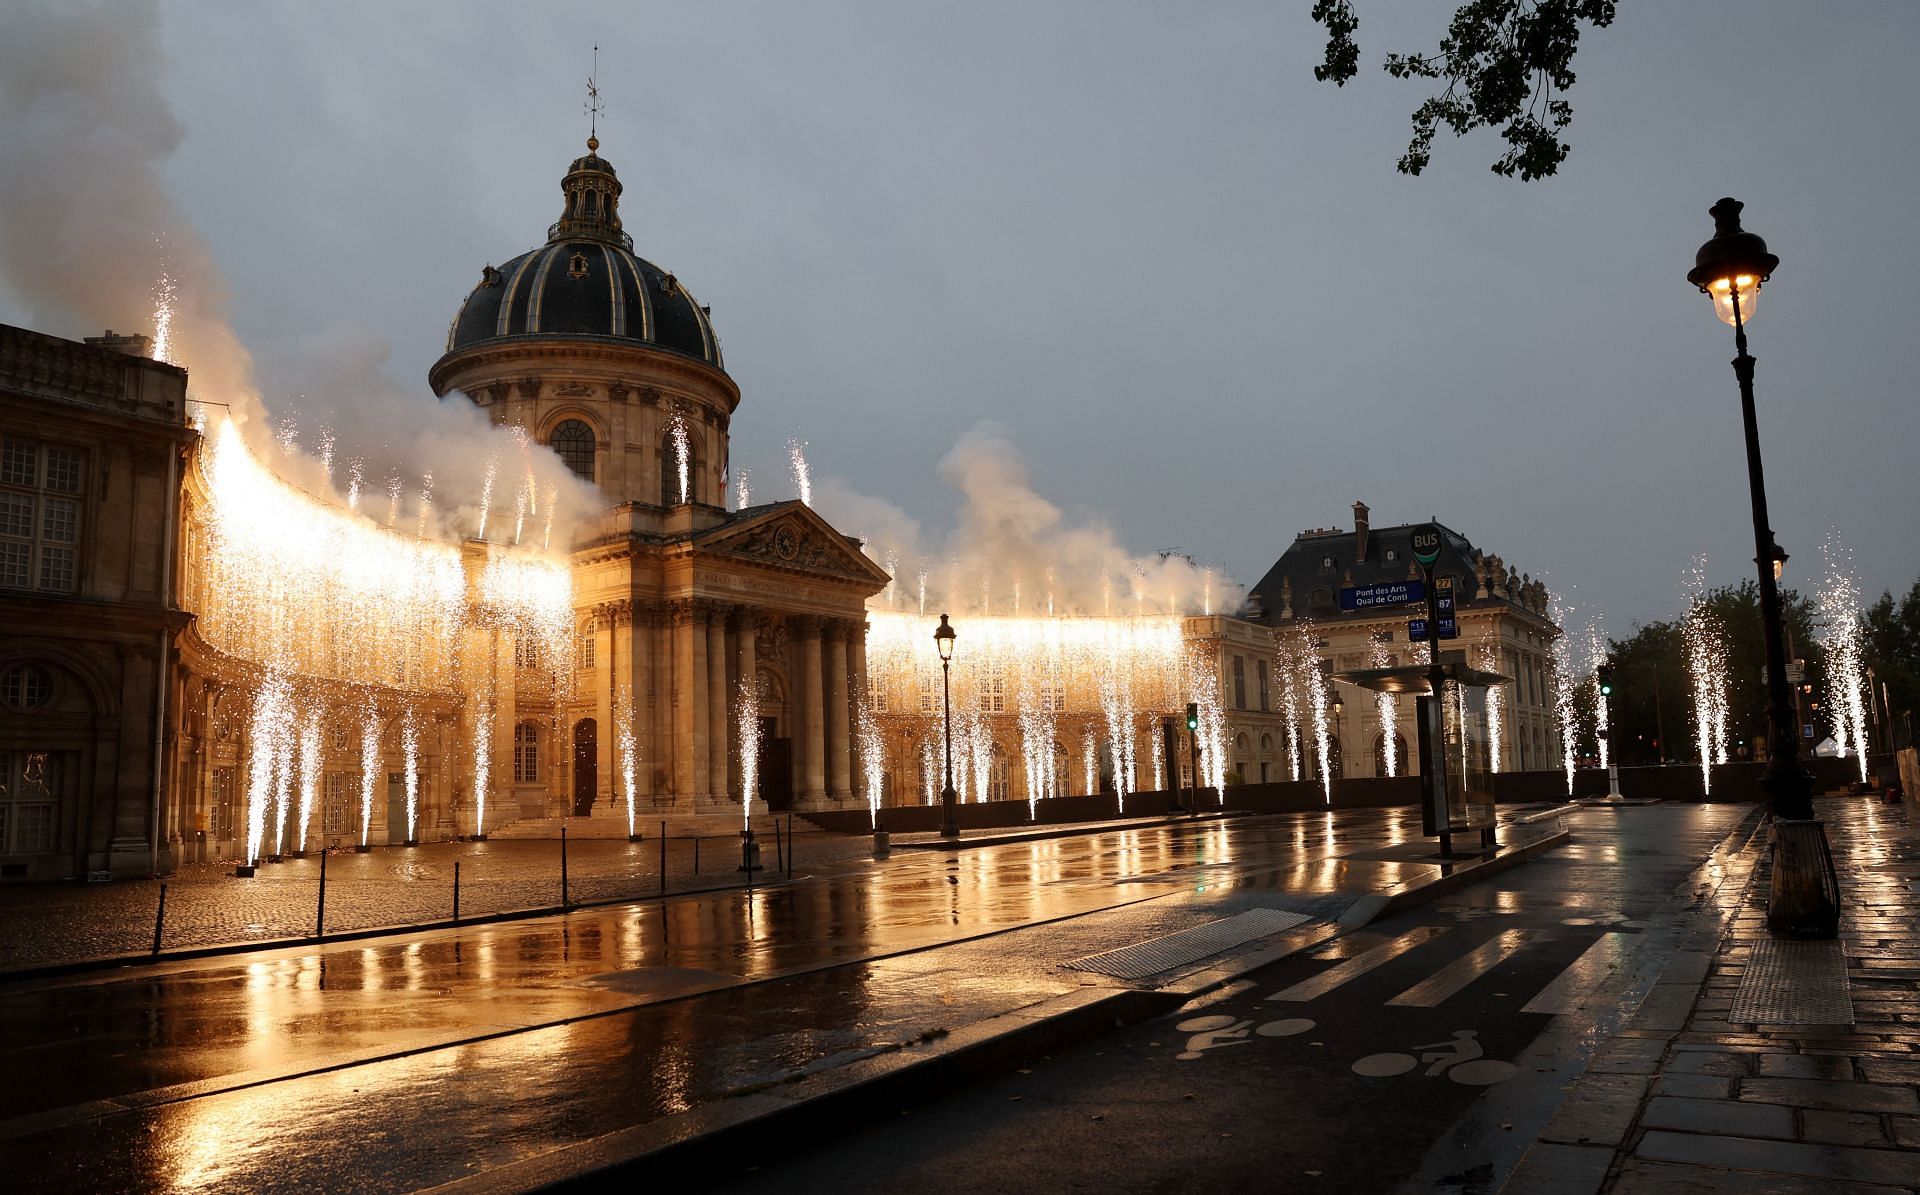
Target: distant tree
[
  {"x": 1506, "y": 63},
  {"x": 1652, "y": 706},
  {"x": 1893, "y": 652}
]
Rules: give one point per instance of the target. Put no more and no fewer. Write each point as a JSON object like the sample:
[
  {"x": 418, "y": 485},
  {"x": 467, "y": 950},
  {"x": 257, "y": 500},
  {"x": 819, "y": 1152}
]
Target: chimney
[
  {"x": 134, "y": 345},
  {"x": 1359, "y": 531}
]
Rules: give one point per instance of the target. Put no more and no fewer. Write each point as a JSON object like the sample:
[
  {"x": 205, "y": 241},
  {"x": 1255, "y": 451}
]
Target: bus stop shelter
[{"x": 1456, "y": 742}]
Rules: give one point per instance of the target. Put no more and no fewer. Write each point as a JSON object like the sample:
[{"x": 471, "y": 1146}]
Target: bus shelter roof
[{"x": 1415, "y": 678}]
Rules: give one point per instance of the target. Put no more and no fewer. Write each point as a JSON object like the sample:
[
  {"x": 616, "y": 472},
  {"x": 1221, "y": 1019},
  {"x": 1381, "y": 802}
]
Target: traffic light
[
  {"x": 1193, "y": 715},
  {"x": 1606, "y": 680}
]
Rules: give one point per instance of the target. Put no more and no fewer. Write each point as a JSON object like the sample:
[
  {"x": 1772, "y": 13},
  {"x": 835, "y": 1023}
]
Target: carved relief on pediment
[
  {"x": 789, "y": 542},
  {"x": 770, "y": 645}
]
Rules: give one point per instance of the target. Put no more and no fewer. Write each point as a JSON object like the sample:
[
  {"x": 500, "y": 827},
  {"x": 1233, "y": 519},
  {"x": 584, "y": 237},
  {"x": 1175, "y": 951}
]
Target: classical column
[
  {"x": 601, "y": 678},
  {"x": 746, "y": 628},
  {"x": 839, "y": 735},
  {"x": 660, "y": 684},
  {"x": 718, "y": 704},
  {"x": 619, "y": 666},
  {"x": 689, "y": 704},
  {"x": 807, "y": 714},
  {"x": 640, "y": 684}
]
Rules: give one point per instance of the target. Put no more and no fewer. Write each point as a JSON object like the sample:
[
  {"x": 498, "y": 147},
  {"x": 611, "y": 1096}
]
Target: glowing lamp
[
  {"x": 943, "y": 637},
  {"x": 1731, "y": 267}
]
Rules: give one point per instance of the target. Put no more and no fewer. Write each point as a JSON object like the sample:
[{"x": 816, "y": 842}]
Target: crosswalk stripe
[
  {"x": 1571, "y": 986},
  {"x": 1436, "y": 988},
  {"x": 1358, "y": 965}
]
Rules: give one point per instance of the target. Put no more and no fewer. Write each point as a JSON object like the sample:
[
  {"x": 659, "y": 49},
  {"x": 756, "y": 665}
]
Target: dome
[{"x": 585, "y": 281}]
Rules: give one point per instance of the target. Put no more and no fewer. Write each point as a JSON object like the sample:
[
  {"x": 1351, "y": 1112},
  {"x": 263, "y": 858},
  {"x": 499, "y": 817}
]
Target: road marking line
[
  {"x": 1607, "y": 954},
  {"x": 1358, "y": 965},
  {"x": 1432, "y": 991}
]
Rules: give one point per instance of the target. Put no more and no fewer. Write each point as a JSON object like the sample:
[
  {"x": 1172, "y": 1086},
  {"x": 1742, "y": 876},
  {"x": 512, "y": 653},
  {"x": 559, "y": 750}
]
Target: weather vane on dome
[{"x": 594, "y": 106}]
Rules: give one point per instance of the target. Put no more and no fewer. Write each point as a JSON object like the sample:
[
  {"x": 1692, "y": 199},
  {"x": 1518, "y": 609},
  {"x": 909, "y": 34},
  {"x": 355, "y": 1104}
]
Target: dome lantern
[{"x": 592, "y": 211}]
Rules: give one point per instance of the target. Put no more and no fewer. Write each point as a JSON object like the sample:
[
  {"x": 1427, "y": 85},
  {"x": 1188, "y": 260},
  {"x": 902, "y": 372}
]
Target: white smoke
[
  {"x": 90, "y": 227},
  {"x": 1011, "y": 546}
]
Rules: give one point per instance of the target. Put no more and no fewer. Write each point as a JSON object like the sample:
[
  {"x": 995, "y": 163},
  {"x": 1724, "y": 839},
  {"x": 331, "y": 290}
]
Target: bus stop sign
[{"x": 1426, "y": 543}]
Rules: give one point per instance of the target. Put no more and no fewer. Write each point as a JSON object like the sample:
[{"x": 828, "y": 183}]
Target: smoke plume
[
  {"x": 1013, "y": 551},
  {"x": 90, "y": 228}
]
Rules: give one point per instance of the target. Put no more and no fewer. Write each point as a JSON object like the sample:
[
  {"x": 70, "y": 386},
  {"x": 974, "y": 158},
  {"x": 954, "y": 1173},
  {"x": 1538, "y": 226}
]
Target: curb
[
  {"x": 214, "y": 950},
  {"x": 961, "y": 844},
  {"x": 913, "y": 1072}
]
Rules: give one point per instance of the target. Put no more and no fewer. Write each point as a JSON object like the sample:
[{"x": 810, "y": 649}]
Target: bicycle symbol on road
[
  {"x": 1211, "y": 1033},
  {"x": 1459, "y": 1059}
]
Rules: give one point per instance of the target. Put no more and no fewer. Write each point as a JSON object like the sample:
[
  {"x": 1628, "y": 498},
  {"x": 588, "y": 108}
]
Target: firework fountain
[
  {"x": 747, "y": 719},
  {"x": 873, "y": 774},
  {"x": 1705, "y": 640},
  {"x": 802, "y": 475},
  {"x": 1566, "y": 714},
  {"x": 682, "y": 455},
  {"x": 1596, "y": 656},
  {"x": 1383, "y": 704},
  {"x": 1487, "y": 658},
  {"x": 410, "y": 755},
  {"x": 1841, "y": 634},
  {"x": 628, "y": 755},
  {"x": 310, "y": 762}
]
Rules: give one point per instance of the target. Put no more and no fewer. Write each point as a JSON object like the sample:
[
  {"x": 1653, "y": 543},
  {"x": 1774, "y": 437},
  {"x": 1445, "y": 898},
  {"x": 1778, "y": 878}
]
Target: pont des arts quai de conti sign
[{"x": 1391, "y": 593}]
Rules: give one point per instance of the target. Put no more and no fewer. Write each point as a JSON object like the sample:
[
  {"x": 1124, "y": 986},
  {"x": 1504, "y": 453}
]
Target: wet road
[
  {"x": 1421, "y": 1054},
  {"x": 407, "y": 1062}
]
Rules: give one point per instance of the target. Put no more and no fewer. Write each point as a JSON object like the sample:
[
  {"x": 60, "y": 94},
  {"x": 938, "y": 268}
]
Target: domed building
[{"x": 610, "y": 361}]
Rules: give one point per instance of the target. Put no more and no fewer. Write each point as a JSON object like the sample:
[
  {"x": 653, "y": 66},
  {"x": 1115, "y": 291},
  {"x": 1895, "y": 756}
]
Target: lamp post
[
  {"x": 1805, "y": 896},
  {"x": 943, "y": 637}
]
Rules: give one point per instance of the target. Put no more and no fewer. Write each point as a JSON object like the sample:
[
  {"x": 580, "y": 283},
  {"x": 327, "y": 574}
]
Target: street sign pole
[{"x": 1426, "y": 551}]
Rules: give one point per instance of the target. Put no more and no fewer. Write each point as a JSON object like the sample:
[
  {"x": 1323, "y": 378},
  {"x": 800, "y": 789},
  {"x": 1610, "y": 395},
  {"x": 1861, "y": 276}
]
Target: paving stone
[
  {"x": 1548, "y": 1169},
  {"x": 1711, "y": 1062},
  {"x": 1826, "y": 1162},
  {"x": 1698, "y": 1087},
  {"x": 1906, "y": 1131},
  {"x": 1886, "y": 1070},
  {"x": 1842, "y": 1128},
  {"x": 1718, "y": 1116},
  {"x": 1823, "y": 1093},
  {"x": 1641, "y": 1177},
  {"x": 1598, "y": 1110},
  {"x": 1806, "y": 1066}
]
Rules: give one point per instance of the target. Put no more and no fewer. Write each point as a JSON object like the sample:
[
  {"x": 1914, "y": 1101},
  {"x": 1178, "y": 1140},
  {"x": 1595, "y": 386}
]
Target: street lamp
[
  {"x": 943, "y": 637},
  {"x": 1805, "y": 898}
]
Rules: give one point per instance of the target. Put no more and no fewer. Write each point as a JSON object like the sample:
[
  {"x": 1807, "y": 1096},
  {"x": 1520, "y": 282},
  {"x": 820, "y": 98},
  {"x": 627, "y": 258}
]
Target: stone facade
[{"x": 90, "y": 461}]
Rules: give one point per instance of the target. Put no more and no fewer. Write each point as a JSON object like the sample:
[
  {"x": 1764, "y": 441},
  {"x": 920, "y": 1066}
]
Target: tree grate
[{"x": 1188, "y": 945}]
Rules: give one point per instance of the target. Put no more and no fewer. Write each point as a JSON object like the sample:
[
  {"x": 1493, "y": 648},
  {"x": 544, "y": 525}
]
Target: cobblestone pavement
[
  {"x": 46, "y": 924},
  {"x": 1687, "y": 1099},
  {"x": 51, "y": 924}
]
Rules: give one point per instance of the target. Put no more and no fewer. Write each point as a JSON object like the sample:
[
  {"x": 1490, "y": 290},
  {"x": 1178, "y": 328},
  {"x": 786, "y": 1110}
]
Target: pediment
[{"x": 789, "y": 535}]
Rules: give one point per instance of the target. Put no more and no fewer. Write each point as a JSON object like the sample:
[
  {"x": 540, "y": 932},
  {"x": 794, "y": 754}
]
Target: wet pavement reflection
[{"x": 274, "y": 1070}]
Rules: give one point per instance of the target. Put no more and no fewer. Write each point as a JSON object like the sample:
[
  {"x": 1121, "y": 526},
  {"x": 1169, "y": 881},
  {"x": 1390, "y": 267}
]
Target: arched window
[
  {"x": 573, "y": 440},
  {"x": 1399, "y": 754},
  {"x": 526, "y": 753},
  {"x": 670, "y": 449}
]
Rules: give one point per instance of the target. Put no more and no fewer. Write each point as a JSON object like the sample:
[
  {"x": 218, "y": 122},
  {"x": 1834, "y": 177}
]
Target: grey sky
[{"x": 1143, "y": 238}]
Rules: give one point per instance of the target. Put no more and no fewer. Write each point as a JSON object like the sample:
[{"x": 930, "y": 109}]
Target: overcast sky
[{"x": 1184, "y": 274}]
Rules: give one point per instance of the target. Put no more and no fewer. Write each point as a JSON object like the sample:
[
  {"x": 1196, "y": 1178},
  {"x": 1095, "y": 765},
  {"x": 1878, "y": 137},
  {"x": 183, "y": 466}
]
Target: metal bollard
[
  {"x": 789, "y": 846},
  {"x": 779, "y": 854},
  {"x": 663, "y": 858},
  {"x": 320, "y": 913},
  {"x": 456, "y": 889},
  {"x": 564, "y": 903},
  {"x": 696, "y": 854},
  {"x": 159, "y": 918}
]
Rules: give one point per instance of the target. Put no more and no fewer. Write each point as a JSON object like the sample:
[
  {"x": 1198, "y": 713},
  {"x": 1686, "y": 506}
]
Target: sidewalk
[{"x": 1763, "y": 1066}]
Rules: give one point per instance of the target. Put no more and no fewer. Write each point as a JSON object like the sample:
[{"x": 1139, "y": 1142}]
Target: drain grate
[
  {"x": 1793, "y": 983},
  {"x": 1188, "y": 945}
]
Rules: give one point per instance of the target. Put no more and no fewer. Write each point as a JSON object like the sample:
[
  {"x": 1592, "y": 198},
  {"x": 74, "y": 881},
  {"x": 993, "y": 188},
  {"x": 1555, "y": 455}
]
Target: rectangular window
[
  {"x": 39, "y": 552},
  {"x": 928, "y": 696},
  {"x": 1260, "y": 672},
  {"x": 585, "y": 653},
  {"x": 877, "y": 696},
  {"x": 32, "y": 786},
  {"x": 993, "y": 692},
  {"x": 224, "y": 813},
  {"x": 1239, "y": 682},
  {"x": 336, "y": 810}
]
